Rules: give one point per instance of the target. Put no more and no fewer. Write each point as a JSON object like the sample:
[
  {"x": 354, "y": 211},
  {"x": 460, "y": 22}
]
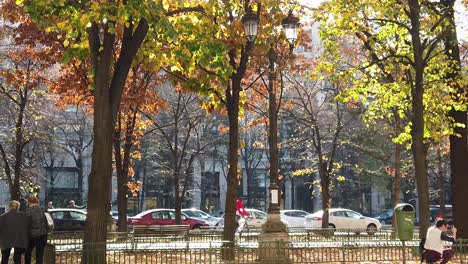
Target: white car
[
  {"x": 256, "y": 218},
  {"x": 293, "y": 218},
  {"x": 344, "y": 219}
]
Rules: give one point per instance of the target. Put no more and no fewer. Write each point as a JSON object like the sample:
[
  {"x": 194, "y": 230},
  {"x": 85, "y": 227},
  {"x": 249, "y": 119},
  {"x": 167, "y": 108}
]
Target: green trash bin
[{"x": 404, "y": 214}]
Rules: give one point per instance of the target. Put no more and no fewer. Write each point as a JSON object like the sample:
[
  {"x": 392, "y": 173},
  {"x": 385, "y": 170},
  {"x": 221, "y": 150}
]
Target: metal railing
[
  {"x": 200, "y": 235},
  {"x": 248, "y": 252}
]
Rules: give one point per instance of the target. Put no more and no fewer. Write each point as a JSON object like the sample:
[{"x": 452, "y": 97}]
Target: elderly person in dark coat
[
  {"x": 37, "y": 232},
  {"x": 14, "y": 232}
]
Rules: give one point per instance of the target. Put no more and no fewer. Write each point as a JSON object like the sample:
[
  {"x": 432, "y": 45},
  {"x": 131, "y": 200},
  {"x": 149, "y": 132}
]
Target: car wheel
[{"x": 371, "y": 229}]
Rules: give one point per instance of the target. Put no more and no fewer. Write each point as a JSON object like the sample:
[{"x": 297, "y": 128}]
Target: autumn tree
[
  {"x": 139, "y": 98},
  {"x": 459, "y": 138},
  {"x": 92, "y": 32},
  {"x": 404, "y": 36},
  {"x": 22, "y": 78},
  {"x": 222, "y": 77}
]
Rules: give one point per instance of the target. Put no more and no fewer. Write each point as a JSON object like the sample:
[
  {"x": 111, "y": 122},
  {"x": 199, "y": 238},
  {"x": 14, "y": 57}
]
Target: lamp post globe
[
  {"x": 250, "y": 22},
  {"x": 290, "y": 25}
]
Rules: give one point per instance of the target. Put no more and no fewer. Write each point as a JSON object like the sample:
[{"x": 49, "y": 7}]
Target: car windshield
[
  {"x": 198, "y": 214},
  {"x": 387, "y": 213}
]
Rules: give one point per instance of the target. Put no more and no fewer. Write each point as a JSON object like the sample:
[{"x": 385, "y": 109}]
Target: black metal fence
[
  {"x": 212, "y": 253},
  {"x": 207, "y": 247},
  {"x": 295, "y": 235}
]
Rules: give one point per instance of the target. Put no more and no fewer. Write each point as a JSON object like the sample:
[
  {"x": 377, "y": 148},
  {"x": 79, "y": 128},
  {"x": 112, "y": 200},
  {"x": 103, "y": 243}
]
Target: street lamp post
[{"x": 274, "y": 233}]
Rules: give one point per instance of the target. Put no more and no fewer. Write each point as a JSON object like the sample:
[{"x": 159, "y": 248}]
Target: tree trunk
[
  {"x": 19, "y": 146},
  {"x": 230, "y": 224},
  {"x": 441, "y": 178},
  {"x": 396, "y": 183},
  {"x": 417, "y": 129},
  {"x": 293, "y": 193},
  {"x": 459, "y": 142},
  {"x": 122, "y": 179},
  {"x": 99, "y": 183},
  {"x": 326, "y": 199},
  {"x": 178, "y": 198},
  {"x": 79, "y": 166},
  {"x": 107, "y": 97}
]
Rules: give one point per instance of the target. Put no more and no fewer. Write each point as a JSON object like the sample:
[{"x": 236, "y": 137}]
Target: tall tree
[
  {"x": 139, "y": 97},
  {"x": 407, "y": 37},
  {"x": 91, "y": 30},
  {"x": 21, "y": 97},
  {"x": 459, "y": 139}
]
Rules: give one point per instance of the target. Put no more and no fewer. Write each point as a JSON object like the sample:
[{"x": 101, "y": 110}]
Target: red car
[{"x": 163, "y": 217}]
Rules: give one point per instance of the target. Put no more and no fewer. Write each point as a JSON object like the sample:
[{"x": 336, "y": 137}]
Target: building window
[
  {"x": 259, "y": 179},
  {"x": 63, "y": 178}
]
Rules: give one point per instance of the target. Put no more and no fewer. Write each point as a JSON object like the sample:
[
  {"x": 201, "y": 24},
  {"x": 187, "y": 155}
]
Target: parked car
[
  {"x": 255, "y": 219},
  {"x": 340, "y": 218},
  {"x": 68, "y": 219},
  {"x": 293, "y": 218},
  {"x": 164, "y": 217},
  {"x": 385, "y": 217},
  {"x": 201, "y": 215}
]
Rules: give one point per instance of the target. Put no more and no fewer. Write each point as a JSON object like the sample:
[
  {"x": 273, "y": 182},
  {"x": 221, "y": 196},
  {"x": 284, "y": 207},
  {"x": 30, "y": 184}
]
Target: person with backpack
[
  {"x": 37, "y": 232},
  {"x": 14, "y": 227}
]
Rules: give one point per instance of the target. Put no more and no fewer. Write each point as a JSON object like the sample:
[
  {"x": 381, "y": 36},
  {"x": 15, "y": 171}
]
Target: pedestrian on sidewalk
[
  {"x": 37, "y": 232},
  {"x": 14, "y": 232}
]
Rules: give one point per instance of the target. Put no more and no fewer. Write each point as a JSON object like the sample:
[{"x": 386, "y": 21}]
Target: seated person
[{"x": 434, "y": 245}]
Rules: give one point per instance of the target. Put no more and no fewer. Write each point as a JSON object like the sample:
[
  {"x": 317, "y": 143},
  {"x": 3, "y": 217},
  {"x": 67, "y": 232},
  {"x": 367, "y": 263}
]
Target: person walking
[
  {"x": 37, "y": 232},
  {"x": 14, "y": 232}
]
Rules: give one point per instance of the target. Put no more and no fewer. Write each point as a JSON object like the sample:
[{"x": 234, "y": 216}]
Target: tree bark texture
[
  {"x": 417, "y": 130},
  {"x": 230, "y": 224},
  {"x": 108, "y": 89},
  {"x": 458, "y": 142}
]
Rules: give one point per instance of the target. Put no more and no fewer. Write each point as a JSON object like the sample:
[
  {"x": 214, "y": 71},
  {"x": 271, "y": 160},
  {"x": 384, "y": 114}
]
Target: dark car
[
  {"x": 163, "y": 217},
  {"x": 385, "y": 217},
  {"x": 435, "y": 213},
  {"x": 68, "y": 219}
]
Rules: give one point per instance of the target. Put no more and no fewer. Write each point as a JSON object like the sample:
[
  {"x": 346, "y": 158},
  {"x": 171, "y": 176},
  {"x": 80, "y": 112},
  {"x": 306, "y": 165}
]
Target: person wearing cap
[
  {"x": 434, "y": 245},
  {"x": 14, "y": 232}
]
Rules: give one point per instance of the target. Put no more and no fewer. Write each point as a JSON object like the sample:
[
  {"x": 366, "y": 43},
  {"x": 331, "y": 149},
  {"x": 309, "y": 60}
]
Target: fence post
[
  {"x": 49, "y": 254},
  {"x": 132, "y": 239},
  {"x": 343, "y": 251},
  {"x": 404, "y": 249}
]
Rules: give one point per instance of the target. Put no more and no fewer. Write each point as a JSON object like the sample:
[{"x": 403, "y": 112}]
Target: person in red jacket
[{"x": 240, "y": 208}]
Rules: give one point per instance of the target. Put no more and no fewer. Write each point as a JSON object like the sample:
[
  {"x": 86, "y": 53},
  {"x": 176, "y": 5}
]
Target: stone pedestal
[{"x": 273, "y": 242}]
